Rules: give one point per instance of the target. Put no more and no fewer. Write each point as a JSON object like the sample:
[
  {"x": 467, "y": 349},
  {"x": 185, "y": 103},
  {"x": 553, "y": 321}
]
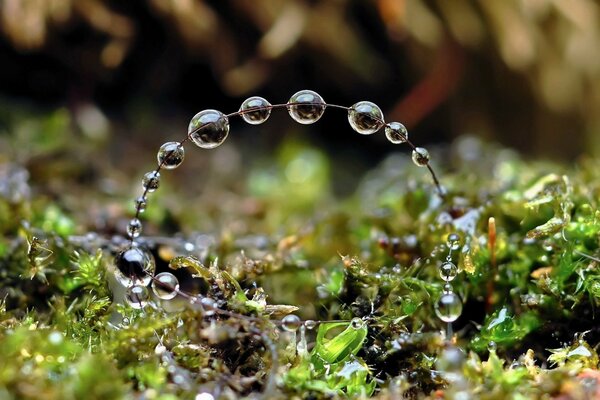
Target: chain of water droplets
[{"x": 449, "y": 306}]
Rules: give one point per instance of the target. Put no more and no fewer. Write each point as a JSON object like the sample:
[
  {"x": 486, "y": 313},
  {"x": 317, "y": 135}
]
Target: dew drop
[
  {"x": 291, "y": 323},
  {"x": 306, "y": 107},
  {"x": 134, "y": 265},
  {"x": 151, "y": 181},
  {"x": 453, "y": 241},
  {"x": 170, "y": 155},
  {"x": 365, "y": 117},
  {"x": 357, "y": 323},
  {"x": 134, "y": 228},
  {"x": 208, "y": 305},
  {"x": 310, "y": 324},
  {"x": 208, "y": 129},
  {"x": 137, "y": 296},
  {"x": 448, "y": 271},
  {"x": 492, "y": 346},
  {"x": 447, "y": 287},
  {"x": 165, "y": 286},
  {"x": 261, "y": 110},
  {"x": 396, "y": 133},
  {"x": 448, "y": 307},
  {"x": 141, "y": 203},
  {"x": 420, "y": 156}
]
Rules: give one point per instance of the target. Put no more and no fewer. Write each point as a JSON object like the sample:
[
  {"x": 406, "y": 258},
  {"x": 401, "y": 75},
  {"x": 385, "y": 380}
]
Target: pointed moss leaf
[{"x": 342, "y": 345}]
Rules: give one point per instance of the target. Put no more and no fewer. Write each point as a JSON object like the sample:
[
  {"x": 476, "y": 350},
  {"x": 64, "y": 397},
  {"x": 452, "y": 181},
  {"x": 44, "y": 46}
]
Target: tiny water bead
[
  {"x": 306, "y": 107},
  {"x": 170, "y": 155},
  {"x": 137, "y": 296},
  {"x": 255, "y": 110},
  {"x": 165, "y": 286},
  {"x": 151, "y": 181},
  {"x": 420, "y": 156},
  {"x": 448, "y": 307},
  {"x": 310, "y": 324},
  {"x": 447, "y": 287},
  {"x": 141, "y": 203},
  {"x": 134, "y": 228},
  {"x": 208, "y": 129},
  {"x": 448, "y": 271},
  {"x": 365, "y": 117},
  {"x": 357, "y": 323},
  {"x": 453, "y": 241},
  {"x": 396, "y": 133},
  {"x": 291, "y": 323},
  {"x": 134, "y": 265}
]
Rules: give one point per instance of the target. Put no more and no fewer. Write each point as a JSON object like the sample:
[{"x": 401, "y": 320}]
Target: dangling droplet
[
  {"x": 492, "y": 346},
  {"x": 165, "y": 286},
  {"x": 141, "y": 203},
  {"x": 151, "y": 181},
  {"x": 208, "y": 129},
  {"x": 365, "y": 117},
  {"x": 170, "y": 155},
  {"x": 448, "y": 307},
  {"x": 396, "y": 133},
  {"x": 310, "y": 324},
  {"x": 134, "y": 266},
  {"x": 291, "y": 323},
  {"x": 137, "y": 296},
  {"x": 134, "y": 228},
  {"x": 357, "y": 323},
  {"x": 447, "y": 287},
  {"x": 453, "y": 241},
  {"x": 208, "y": 305},
  {"x": 261, "y": 110},
  {"x": 309, "y": 112},
  {"x": 420, "y": 156},
  {"x": 448, "y": 271}
]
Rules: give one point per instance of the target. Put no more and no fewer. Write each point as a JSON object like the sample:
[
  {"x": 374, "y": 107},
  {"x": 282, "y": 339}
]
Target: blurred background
[{"x": 122, "y": 77}]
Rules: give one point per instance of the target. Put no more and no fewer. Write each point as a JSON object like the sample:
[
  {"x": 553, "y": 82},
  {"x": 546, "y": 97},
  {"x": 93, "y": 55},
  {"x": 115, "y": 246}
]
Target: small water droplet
[
  {"x": 357, "y": 323},
  {"x": 134, "y": 228},
  {"x": 208, "y": 129},
  {"x": 307, "y": 113},
  {"x": 151, "y": 181},
  {"x": 492, "y": 346},
  {"x": 448, "y": 307},
  {"x": 453, "y": 241},
  {"x": 165, "y": 286},
  {"x": 365, "y": 117},
  {"x": 310, "y": 324},
  {"x": 208, "y": 305},
  {"x": 141, "y": 203},
  {"x": 134, "y": 265},
  {"x": 396, "y": 133},
  {"x": 447, "y": 287},
  {"x": 170, "y": 155},
  {"x": 420, "y": 156},
  {"x": 137, "y": 296},
  {"x": 448, "y": 271},
  {"x": 291, "y": 323},
  {"x": 261, "y": 110}
]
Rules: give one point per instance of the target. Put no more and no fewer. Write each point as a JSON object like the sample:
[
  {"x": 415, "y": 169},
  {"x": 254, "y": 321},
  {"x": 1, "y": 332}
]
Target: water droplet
[
  {"x": 396, "y": 133},
  {"x": 170, "y": 155},
  {"x": 141, "y": 203},
  {"x": 492, "y": 346},
  {"x": 451, "y": 360},
  {"x": 420, "y": 156},
  {"x": 137, "y": 296},
  {"x": 165, "y": 286},
  {"x": 204, "y": 396},
  {"x": 357, "y": 323},
  {"x": 151, "y": 181},
  {"x": 448, "y": 271},
  {"x": 309, "y": 112},
  {"x": 134, "y": 228},
  {"x": 134, "y": 265},
  {"x": 365, "y": 117},
  {"x": 208, "y": 129},
  {"x": 261, "y": 110},
  {"x": 291, "y": 323},
  {"x": 310, "y": 324},
  {"x": 447, "y": 287},
  {"x": 453, "y": 241},
  {"x": 448, "y": 307},
  {"x": 208, "y": 305}
]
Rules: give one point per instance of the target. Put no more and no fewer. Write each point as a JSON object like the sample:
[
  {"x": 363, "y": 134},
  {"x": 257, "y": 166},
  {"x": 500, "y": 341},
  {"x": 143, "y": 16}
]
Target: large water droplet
[
  {"x": 396, "y": 133},
  {"x": 448, "y": 307},
  {"x": 448, "y": 271},
  {"x": 134, "y": 265},
  {"x": 291, "y": 323},
  {"x": 255, "y": 110},
  {"x": 420, "y": 156},
  {"x": 170, "y": 155},
  {"x": 208, "y": 129},
  {"x": 311, "y": 107},
  {"x": 137, "y": 296},
  {"x": 165, "y": 286},
  {"x": 365, "y": 117},
  {"x": 151, "y": 181}
]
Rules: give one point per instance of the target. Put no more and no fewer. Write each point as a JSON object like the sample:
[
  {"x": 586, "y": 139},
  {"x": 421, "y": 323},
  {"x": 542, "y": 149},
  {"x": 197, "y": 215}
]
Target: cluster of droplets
[{"x": 449, "y": 306}]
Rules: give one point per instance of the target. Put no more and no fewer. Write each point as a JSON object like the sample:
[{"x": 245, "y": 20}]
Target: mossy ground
[{"x": 275, "y": 237}]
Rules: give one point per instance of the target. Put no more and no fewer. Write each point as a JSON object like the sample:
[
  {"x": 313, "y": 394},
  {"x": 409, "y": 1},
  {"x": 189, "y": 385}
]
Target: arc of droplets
[{"x": 449, "y": 305}]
